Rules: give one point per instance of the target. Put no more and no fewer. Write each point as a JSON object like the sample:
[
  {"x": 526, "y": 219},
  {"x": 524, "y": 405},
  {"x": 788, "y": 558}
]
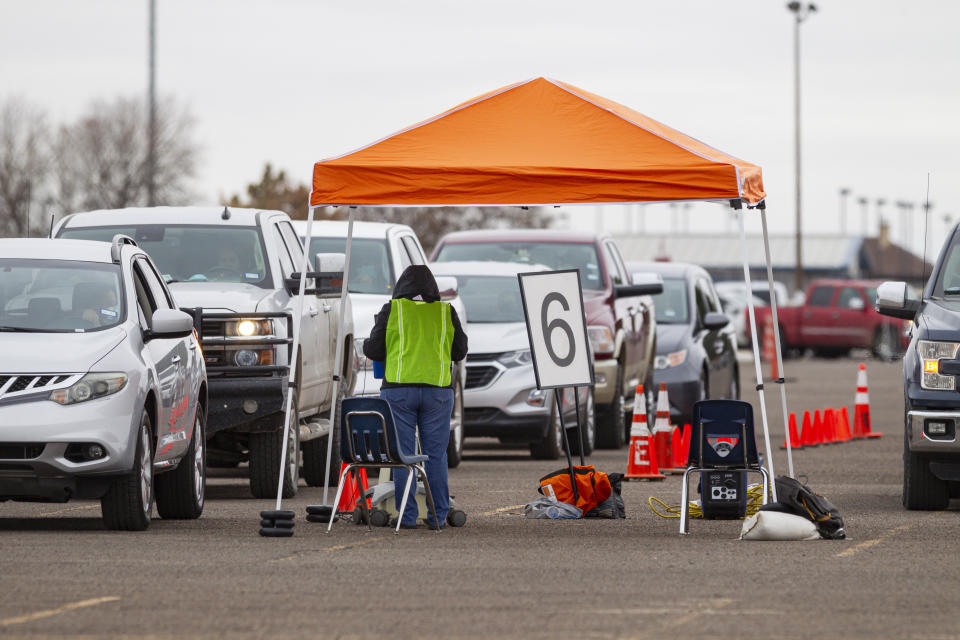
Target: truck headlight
[
  {"x": 931, "y": 353},
  {"x": 512, "y": 359},
  {"x": 601, "y": 340},
  {"x": 247, "y": 328},
  {"x": 253, "y": 357},
  {"x": 90, "y": 387},
  {"x": 674, "y": 359}
]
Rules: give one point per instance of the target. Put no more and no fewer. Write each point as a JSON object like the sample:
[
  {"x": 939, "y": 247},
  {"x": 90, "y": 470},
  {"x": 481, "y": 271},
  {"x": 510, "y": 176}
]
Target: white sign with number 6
[{"x": 553, "y": 308}]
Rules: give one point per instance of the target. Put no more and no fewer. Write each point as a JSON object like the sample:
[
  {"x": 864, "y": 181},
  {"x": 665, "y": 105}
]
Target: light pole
[
  {"x": 152, "y": 110},
  {"x": 801, "y": 11},
  {"x": 844, "y": 192},
  {"x": 864, "y": 214}
]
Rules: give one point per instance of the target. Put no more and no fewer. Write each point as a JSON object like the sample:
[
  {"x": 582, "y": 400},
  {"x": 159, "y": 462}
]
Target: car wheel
[
  {"x": 884, "y": 344},
  {"x": 180, "y": 493},
  {"x": 265, "y": 451},
  {"x": 129, "y": 500},
  {"x": 552, "y": 444},
  {"x": 315, "y": 452},
  {"x": 455, "y": 446},
  {"x": 922, "y": 491},
  {"x": 589, "y": 425},
  {"x": 611, "y": 431}
]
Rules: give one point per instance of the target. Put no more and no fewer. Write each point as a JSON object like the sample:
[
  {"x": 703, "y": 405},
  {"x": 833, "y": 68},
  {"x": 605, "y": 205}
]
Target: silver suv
[{"x": 102, "y": 385}]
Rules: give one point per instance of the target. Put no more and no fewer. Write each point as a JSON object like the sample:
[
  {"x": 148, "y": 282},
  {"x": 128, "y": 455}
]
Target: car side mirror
[
  {"x": 641, "y": 284},
  {"x": 330, "y": 269},
  {"x": 715, "y": 320},
  {"x": 169, "y": 323},
  {"x": 893, "y": 301},
  {"x": 448, "y": 286}
]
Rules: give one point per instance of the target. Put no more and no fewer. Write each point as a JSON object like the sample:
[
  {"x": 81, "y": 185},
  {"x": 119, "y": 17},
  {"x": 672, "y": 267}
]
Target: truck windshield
[
  {"x": 193, "y": 253},
  {"x": 51, "y": 296},
  {"x": 370, "y": 270},
  {"x": 557, "y": 255},
  {"x": 671, "y": 305},
  {"x": 491, "y": 298},
  {"x": 948, "y": 280}
]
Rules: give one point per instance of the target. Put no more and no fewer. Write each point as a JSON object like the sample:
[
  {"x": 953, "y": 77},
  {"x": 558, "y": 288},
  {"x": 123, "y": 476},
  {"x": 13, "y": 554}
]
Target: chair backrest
[
  {"x": 723, "y": 435},
  {"x": 367, "y": 431}
]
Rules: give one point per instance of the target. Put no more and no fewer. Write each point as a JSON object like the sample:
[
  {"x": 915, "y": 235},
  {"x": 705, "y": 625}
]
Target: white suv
[{"x": 102, "y": 385}]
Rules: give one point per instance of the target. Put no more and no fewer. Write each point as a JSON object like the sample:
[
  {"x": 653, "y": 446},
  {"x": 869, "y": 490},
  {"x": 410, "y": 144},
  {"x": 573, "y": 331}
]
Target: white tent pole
[
  {"x": 781, "y": 379},
  {"x": 338, "y": 358},
  {"x": 292, "y": 361},
  {"x": 756, "y": 353}
]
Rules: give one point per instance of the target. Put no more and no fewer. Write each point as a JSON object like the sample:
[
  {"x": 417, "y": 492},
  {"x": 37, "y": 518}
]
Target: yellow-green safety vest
[{"x": 419, "y": 340}]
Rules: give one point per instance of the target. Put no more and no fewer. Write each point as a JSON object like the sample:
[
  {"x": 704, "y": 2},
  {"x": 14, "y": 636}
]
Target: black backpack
[{"x": 799, "y": 499}]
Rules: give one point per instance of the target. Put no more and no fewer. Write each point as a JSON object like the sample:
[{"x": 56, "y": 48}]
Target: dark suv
[
  {"x": 931, "y": 371},
  {"x": 620, "y": 319}
]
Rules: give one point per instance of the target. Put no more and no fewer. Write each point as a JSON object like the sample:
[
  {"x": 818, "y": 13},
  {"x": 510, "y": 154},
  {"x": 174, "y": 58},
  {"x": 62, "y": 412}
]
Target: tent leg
[
  {"x": 339, "y": 355},
  {"x": 756, "y": 352},
  {"x": 781, "y": 380}
]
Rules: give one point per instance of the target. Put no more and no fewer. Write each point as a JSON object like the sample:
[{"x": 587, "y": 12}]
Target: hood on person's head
[{"x": 417, "y": 280}]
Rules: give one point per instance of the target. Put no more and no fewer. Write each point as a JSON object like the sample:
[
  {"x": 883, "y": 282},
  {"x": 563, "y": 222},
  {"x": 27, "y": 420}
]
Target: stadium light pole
[
  {"x": 864, "y": 203},
  {"x": 152, "y": 108},
  {"x": 844, "y": 192},
  {"x": 801, "y": 11}
]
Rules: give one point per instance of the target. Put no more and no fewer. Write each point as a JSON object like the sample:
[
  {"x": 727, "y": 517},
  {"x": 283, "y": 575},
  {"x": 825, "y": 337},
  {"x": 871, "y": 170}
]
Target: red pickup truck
[{"x": 837, "y": 315}]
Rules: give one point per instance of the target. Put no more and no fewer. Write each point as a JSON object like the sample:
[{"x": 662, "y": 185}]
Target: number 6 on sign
[{"x": 553, "y": 309}]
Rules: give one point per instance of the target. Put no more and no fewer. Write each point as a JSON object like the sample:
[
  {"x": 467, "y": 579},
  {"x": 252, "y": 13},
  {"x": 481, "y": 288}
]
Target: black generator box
[{"x": 723, "y": 494}]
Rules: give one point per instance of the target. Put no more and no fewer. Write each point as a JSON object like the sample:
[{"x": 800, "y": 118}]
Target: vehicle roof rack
[{"x": 118, "y": 241}]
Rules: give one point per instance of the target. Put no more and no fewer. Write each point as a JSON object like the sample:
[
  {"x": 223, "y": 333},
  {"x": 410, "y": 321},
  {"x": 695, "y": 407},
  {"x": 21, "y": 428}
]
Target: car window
[
  {"x": 294, "y": 244},
  {"x": 846, "y": 295},
  {"x": 702, "y": 300},
  {"x": 671, "y": 305},
  {"x": 491, "y": 298},
  {"x": 370, "y": 268},
  {"x": 820, "y": 297},
  {"x": 416, "y": 255},
  {"x": 710, "y": 297},
  {"x": 616, "y": 276},
  {"x": 948, "y": 278},
  {"x": 145, "y": 300},
  {"x": 557, "y": 255},
  {"x": 404, "y": 257},
  {"x": 286, "y": 260},
  {"x": 618, "y": 259}
]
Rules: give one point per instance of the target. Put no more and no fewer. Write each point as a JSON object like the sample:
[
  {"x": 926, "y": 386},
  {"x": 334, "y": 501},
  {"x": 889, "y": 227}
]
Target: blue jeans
[{"x": 429, "y": 407}]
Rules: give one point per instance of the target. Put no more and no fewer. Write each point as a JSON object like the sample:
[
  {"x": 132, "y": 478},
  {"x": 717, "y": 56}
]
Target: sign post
[{"x": 559, "y": 346}]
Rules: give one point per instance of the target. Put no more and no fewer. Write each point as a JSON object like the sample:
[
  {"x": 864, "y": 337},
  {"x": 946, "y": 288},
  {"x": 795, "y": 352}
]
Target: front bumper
[
  {"x": 683, "y": 390},
  {"x": 920, "y": 441},
  {"x": 509, "y": 406},
  {"x": 227, "y": 396},
  {"x": 110, "y": 422}
]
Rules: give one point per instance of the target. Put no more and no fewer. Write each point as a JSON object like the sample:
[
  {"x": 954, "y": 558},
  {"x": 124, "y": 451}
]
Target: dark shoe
[
  {"x": 434, "y": 527},
  {"x": 403, "y": 525}
]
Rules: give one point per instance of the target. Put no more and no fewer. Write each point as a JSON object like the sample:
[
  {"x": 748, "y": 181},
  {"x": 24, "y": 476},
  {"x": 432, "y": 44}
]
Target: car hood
[
  {"x": 939, "y": 320},
  {"x": 235, "y": 297},
  {"x": 672, "y": 337},
  {"x": 497, "y": 337},
  {"x": 56, "y": 352},
  {"x": 365, "y": 307}
]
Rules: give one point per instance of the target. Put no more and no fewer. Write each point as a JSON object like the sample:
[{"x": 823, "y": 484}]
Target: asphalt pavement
[{"x": 63, "y": 575}]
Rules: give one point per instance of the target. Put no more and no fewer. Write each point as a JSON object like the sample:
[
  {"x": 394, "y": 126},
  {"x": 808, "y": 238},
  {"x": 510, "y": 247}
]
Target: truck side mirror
[
  {"x": 893, "y": 301},
  {"x": 715, "y": 320},
  {"x": 641, "y": 284},
  {"x": 448, "y": 286},
  {"x": 330, "y": 267}
]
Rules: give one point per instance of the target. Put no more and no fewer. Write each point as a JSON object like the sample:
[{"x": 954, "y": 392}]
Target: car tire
[
  {"x": 265, "y": 452},
  {"x": 551, "y": 446},
  {"x": 455, "y": 445},
  {"x": 180, "y": 493},
  {"x": 611, "y": 426},
  {"x": 315, "y": 452},
  {"x": 128, "y": 503},
  {"x": 589, "y": 424},
  {"x": 922, "y": 491}
]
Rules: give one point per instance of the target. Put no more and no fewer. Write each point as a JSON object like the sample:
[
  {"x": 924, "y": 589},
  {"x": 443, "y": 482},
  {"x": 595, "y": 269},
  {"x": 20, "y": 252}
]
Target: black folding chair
[
  {"x": 369, "y": 440},
  {"x": 722, "y": 438}
]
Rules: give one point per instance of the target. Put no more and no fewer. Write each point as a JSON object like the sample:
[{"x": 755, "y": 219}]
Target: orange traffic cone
[
  {"x": 844, "y": 422},
  {"x": 794, "y": 434},
  {"x": 663, "y": 433},
  {"x": 676, "y": 443},
  {"x": 685, "y": 444},
  {"x": 770, "y": 347},
  {"x": 351, "y": 492},
  {"x": 830, "y": 426},
  {"x": 806, "y": 431},
  {"x": 817, "y": 428},
  {"x": 642, "y": 458},
  {"x": 861, "y": 408}
]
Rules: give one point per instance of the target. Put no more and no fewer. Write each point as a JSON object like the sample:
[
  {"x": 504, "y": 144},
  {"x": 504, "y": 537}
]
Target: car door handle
[
  {"x": 175, "y": 359},
  {"x": 326, "y": 308},
  {"x": 313, "y": 311}
]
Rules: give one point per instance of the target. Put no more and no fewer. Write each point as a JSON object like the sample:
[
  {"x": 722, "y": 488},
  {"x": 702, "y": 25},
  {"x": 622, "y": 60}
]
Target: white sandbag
[{"x": 775, "y": 525}]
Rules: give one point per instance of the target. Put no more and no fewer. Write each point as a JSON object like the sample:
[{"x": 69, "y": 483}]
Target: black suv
[{"x": 931, "y": 371}]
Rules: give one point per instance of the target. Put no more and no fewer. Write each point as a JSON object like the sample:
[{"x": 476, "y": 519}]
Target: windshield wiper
[
  {"x": 951, "y": 291},
  {"x": 20, "y": 329}
]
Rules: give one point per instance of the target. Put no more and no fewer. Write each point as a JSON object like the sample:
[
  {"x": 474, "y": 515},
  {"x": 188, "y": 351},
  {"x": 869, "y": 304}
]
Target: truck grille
[
  {"x": 480, "y": 376},
  {"x": 20, "y": 450},
  {"x": 12, "y": 385},
  {"x": 482, "y": 357}
]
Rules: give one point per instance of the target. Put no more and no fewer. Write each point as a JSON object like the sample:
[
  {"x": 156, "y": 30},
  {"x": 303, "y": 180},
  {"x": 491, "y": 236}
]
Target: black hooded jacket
[{"x": 415, "y": 283}]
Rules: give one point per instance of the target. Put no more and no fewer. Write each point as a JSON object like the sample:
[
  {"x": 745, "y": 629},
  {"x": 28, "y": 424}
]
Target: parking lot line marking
[
  {"x": 338, "y": 547},
  {"x": 866, "y": 544},
  {"x": 38, "y": 615},
  {"x": 502, "y": 509},
  {"x": 59, "y": 511}
]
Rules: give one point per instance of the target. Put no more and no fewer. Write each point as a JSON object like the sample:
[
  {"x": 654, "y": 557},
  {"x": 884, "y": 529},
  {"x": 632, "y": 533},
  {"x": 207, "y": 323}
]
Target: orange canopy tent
[{"x": 535, "y": 142}]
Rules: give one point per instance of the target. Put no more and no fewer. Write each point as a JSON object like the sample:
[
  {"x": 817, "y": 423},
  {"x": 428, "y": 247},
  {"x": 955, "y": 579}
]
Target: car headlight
[
  {"x": 674, "y": 359},
  {"x": 931, "y": 353},
  {"x": 248, "y": 328},
  {"x": 90, "y": 387},
  {"x": 253, "y": 357},
  {"x": 512, "y": 359},
  {"x": 601, "y": 340}
]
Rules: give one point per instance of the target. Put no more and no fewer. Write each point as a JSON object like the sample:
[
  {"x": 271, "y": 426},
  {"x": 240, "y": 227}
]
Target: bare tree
[
  {"x": 101, "y": 159},
  {"x": 24, "y": 166}
]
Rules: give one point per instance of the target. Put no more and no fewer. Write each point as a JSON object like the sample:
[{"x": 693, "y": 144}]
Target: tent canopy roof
[{"x": 535, "y": 142}]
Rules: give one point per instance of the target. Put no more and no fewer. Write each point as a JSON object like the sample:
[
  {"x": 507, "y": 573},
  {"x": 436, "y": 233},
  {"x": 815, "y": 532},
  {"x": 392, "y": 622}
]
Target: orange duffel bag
[{"x": 593, "y": 486}]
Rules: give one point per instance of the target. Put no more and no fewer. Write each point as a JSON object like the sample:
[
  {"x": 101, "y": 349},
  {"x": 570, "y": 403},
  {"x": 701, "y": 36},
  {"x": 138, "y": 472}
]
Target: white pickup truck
[
  {"x": 381, "y": 251},
  {"x": 237, "y": 266}
]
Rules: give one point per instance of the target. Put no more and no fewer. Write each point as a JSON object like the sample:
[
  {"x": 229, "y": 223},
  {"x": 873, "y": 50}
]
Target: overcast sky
[{"x": 295, "y": 81}]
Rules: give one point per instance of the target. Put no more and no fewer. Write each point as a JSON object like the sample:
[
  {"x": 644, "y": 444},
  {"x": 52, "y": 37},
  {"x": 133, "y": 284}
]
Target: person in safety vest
[{"x": 418, "y": 338}]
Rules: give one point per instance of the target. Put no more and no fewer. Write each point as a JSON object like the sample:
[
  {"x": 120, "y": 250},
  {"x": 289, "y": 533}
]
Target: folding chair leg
[
  {"x": 336, "y": 498},
  {"x": 430, "y": 504},
  {"x": 363, "y": 499},
  {"x": 403, "y": 501},
  {"x": 685, "y": 503},
  {"x": 766, "y": 484}
]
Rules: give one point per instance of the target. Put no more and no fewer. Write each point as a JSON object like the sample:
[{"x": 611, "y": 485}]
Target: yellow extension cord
[{"x": 754, "y": 500}]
